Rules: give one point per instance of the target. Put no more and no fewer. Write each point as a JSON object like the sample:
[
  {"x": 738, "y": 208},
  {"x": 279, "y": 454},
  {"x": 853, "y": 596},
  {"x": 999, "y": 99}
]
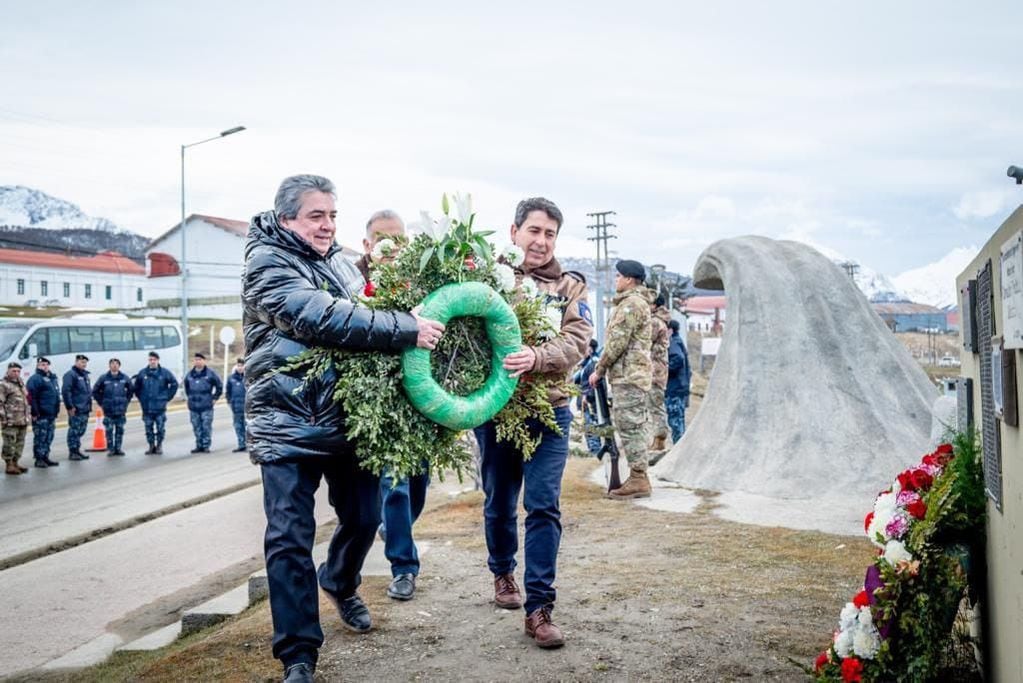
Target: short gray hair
[
  {"x": 289, "y": 195},
  {"x": 538, "y": 204},
  {"x": 381, "y": 215}
]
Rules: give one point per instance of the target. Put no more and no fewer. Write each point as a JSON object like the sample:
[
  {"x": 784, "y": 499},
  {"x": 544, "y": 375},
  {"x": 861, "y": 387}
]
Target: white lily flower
[
  {"x": 463, "y": 202},
  {"x": 443, "y": 225},
  {"x": 513, "y": 255},
  {"x": 505, "y": 277},
  {"x": 426, "y": 224}
]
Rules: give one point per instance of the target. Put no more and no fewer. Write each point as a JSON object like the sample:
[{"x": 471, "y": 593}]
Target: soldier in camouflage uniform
[
  {"x": 13, "y": 417},
  {"x": 626, "y": 363},
  {"x": 659, "y": 319}
]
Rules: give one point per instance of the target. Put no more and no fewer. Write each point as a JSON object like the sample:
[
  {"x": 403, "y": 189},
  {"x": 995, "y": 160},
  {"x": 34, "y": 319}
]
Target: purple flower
[
  {"x": 873, "y": 582},
  {"x": 897, "y": 527},
  {"x": 907, "y": 497}
]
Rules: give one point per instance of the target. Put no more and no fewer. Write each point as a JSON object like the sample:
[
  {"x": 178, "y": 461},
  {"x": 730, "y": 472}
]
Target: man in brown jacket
[
  {"x": 659, "y": 319},
  {"x": 384, "y": 224},
  {"x": 504, "y": 472},
  {"x": 13, "y": 418}
]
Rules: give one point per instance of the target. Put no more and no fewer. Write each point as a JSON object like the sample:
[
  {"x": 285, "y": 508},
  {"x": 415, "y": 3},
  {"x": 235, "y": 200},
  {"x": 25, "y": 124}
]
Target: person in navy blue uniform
[
  {"x": 113, "y": 391},
  {"x": 76, "y": 390},
  {"x": 236, "y": 399},
  {"x": 44, "y": 404},
  {"x": 202, "y": 387},
  {"x": 154, "y": 387}
]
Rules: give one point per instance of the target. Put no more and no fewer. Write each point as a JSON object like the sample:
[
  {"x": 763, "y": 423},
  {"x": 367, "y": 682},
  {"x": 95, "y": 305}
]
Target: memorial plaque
[
  {"x": 964, "y": 403},
  {"x": 1011, "y": 282},
  {"x": 968, "y": 315},
  {"x": 991, "y": 442}
]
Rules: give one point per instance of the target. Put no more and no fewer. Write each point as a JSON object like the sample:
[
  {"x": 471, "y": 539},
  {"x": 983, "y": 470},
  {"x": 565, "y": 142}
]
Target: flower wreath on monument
[
  {"x": 900, "y": 626},
  {"x": 405, "y": 412}
]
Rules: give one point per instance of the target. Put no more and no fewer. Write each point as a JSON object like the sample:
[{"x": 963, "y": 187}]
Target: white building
[
  {"x": 40, "y": 278},
  {"x": 216, "y": 253}
]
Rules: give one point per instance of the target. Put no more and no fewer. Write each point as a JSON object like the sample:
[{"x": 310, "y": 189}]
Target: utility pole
[
  {"x": 600, "y": 227},
  {"x": 850, "y": 268}
]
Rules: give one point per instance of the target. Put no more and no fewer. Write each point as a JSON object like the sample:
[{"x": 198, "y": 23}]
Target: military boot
[
  {"x": 11, "y": 468},
  {"x": 658, "y": 444},
  {"x": 159, "y": 448},
  {"x": 636, "y": 486}
]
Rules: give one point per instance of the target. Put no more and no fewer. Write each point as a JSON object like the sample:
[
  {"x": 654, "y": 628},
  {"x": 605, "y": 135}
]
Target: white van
[{"x": 100, "y": 336}]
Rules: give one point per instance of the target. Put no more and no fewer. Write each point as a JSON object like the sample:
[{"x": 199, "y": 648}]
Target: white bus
[{"x": 99, "y": 336}]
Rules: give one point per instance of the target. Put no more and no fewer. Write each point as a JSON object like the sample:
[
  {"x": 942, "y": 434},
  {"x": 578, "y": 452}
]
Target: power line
[{"x": 601, "y": 226}]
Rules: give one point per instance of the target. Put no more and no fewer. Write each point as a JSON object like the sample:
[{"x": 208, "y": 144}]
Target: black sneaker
[
  {"x": 151, "y": 450},
  {"x": 197, "y": 450},
  {"x": 158, "y": 450},
  {"x": 77, "y": 456},
  {"x": 402, "y": 587},
  {"x": 41, "y": 463},
  {"x": 355, "y": 614},
  {"x": 299, "y": 673},
  {"x": 50, "y": 463},
  {"x": 205, "y": 450}
]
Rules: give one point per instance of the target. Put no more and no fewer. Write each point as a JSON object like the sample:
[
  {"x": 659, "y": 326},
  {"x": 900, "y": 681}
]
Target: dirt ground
[{"x": 642, "y": 595}]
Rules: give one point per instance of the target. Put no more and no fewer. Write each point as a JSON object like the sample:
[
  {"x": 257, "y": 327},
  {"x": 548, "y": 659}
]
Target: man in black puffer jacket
[{"x": 297, "y": 293}]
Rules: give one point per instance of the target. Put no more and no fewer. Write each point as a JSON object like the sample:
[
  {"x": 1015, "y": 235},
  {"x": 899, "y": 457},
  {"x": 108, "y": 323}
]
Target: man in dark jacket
[
  {"x": 297, "y": 292},
  {"x": 154, "y": 387},
  {"x": 202, "y": 387},
  {"x": 113, "y": 391},
  {"x": 236, "y": 399},
  {"x": 676, "y": 395},
  {"x": 44, "y": 403},
  {"x": 76, "y": 389}
]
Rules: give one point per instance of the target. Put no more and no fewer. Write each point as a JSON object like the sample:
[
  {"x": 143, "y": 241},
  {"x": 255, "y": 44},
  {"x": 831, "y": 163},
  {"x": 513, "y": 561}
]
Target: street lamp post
[{"x": 183, "y": 263}]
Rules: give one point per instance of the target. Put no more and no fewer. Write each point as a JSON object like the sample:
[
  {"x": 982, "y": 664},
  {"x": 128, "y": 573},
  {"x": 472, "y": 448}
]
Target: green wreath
[{"x": 464, "y": 299}]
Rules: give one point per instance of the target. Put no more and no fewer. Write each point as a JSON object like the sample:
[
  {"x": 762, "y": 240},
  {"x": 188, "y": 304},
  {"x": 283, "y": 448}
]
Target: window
[
  {"x": 118, "y": 339},
  {"x": 148, "y": 338},
  {"x": 138, "y": 295},
  {"x": 85, "y": 339},
  {"x": 88, "y": 291},
  {"x": 170, "y": 337},
  {"x": 110, "y": 292},
  {"x": 67, "y": 290},
  {"x": 59, "y": 341},
  {"x": 21, "y": 286},
  {"x": 44, "y": 288},
  {"x": 39, "y": 339}
]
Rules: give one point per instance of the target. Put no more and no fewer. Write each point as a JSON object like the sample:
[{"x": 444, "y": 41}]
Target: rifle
[{"x": 602, "y": 421}]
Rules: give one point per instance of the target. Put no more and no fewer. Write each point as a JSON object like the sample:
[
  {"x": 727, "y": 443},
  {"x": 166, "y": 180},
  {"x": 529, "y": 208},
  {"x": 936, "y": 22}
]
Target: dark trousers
[
  {"x": 114, "y": 425},
  {"x": 42, "y": 437},
  {"x": 402, "y": 504},
  {"x": 239, "y": 427},
  {"x": 504, "y": 474},
  {"x": 76, "y": 427},
  {"x": 156, "y": 426},
  {"x": 202, "y": 427},
  {"x": 288, "y": 489}
]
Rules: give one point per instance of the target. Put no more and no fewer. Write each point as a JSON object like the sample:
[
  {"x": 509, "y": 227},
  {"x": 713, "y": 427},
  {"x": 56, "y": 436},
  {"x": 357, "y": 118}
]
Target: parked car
[{"x": 948, "y": 362}]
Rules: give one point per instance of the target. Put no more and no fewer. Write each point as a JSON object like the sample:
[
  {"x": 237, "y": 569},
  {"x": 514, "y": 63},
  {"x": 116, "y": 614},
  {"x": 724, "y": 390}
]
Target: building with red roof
[{"x": 44, "y": 278}]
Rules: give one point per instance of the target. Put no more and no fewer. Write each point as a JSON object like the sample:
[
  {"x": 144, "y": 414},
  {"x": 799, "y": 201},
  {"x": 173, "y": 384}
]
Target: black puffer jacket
[{"x": 294, "y": 298}]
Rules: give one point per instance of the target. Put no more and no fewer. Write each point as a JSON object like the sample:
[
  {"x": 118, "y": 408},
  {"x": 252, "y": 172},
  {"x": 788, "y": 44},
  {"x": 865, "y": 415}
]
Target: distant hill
[{"x": 31, "y": 219}]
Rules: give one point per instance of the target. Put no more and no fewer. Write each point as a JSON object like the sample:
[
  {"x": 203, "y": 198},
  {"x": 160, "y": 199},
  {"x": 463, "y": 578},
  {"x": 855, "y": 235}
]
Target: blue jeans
[
  {"x": 76, "y": 426},
  {"x": 115, "y": 431},
  {"x": 239, "y": 427},
  {"x": 504, "y": 473},
  {"x": 42, "y": 437},
  {"x": 288, "y": 490},
  {"x": 156, "y": 426},
  {"x": 202, "y": 427},
  {"x": 402, "y": 505},
  {"x": 676, "y": 409}
]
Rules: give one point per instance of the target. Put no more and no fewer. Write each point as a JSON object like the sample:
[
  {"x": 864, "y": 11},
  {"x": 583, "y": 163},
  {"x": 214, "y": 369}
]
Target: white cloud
[{"x": 985, "y": 203}]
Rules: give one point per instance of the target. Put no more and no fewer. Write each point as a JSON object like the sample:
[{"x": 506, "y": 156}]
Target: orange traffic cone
[{"x": 99, "y": 434}]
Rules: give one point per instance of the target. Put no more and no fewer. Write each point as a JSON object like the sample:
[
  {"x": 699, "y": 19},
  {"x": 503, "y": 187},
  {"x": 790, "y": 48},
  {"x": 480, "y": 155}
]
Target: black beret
[
  {"x": 42, "y": 359},
  {"x": 14, "y": 364},
  {"x": 154, "y": 354},
  {"x": 81, "y": 356},
  {"x": 659, "y": 301},
  {"x": 199, "y": 355},
  {"x": 633, "y": 269}
]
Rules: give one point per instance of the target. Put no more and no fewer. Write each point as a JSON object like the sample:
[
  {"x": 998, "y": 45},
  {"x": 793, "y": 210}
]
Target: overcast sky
[{"x": 879, "y": 130}]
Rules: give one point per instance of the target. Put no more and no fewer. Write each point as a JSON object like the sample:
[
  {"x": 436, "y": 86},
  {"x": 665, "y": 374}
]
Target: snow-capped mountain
[
  {"x": 28, "y": 208},
  {"x": 877, "y": 287},
  {"x": 935, "y": 283}
]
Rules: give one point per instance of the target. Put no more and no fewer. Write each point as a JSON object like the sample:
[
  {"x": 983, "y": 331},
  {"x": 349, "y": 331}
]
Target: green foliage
[{"x": 390, "y": 434}]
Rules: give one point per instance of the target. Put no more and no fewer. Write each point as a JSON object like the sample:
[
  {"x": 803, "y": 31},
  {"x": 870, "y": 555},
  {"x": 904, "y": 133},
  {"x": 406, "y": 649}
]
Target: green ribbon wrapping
[{"x": 464, "y": 299}]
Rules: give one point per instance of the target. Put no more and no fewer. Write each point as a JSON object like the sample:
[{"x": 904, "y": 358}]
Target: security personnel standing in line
[
  {"x": 113, "y": 392},
  {"x": 236, "y": 399},
  {"x": 203, "y": 387},
  {"x": 44, "y": 402},
  {"x": 76, "y": 389},
  {"x": 13, "y": 417},
  {"x": 626, "y": 363},
  {"x": 155, "y": 386}
]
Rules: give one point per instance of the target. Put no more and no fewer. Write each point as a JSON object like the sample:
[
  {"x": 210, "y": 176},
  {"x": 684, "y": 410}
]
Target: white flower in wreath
[
  {"x": 848, "y": 616},
  {"x": 553, "y": 322},
  {"x": 383, "y": 248},
  {"x": 505, "y": 277},
  {"x": 895, "y": 552},
  {"x": 463, "y": 202},
  {"x": 529, "y": 286},
  {"x": 844, "y": 643},
  {"x": 866, "y": 639},
  {"x": 513, "y": 255}
]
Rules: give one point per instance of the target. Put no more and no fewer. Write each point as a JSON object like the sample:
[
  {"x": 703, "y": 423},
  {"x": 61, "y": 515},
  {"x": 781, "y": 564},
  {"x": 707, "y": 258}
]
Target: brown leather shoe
[
  {"x": 506, "y": 592},
  {"x": 636, "y": 486},
  {"x": 542, "y": 630},
  {"x": 11, "y": 468}
]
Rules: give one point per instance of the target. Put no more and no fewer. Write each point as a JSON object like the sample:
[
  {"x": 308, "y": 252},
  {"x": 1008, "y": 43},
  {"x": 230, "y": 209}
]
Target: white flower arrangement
[
  {"x": 895, "y": 552},
  {"x": 529, "y": 287},
  {"x": 505, "y": 277},
  {"x": 856, "y": 633},
  {"x": 383, "y": 248},
  {"x": 513, "y": 255}
]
